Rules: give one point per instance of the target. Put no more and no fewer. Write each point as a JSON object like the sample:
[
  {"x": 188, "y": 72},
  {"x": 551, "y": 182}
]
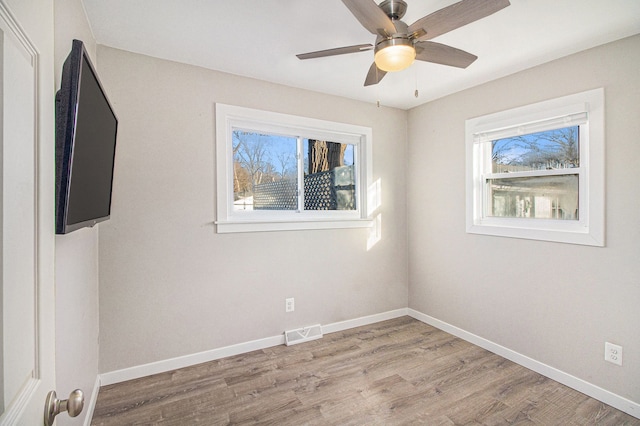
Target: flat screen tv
[{"x": 86, "y": 129}]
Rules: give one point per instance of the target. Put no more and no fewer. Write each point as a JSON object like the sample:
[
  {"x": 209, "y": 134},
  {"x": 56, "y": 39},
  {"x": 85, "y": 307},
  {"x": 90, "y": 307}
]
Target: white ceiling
[{"x": 260, "y": 38}]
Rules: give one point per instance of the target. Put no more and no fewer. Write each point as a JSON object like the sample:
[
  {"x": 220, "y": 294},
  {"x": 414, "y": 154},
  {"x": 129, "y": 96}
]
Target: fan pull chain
[{"x": 416, "y": 75}]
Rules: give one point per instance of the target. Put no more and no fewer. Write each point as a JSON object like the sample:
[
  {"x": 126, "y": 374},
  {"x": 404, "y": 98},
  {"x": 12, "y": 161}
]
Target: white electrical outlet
[
  {"x": 613, "y": 353},
  {"x": 289, "y": 305}
]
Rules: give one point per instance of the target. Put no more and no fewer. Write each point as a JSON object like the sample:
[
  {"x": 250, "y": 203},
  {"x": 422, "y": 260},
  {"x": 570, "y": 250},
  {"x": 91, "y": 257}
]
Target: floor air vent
[{"x": 300, "y": 335}]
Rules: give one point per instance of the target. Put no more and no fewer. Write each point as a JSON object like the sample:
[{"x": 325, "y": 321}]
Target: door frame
[{"x": 34, "y": 31}]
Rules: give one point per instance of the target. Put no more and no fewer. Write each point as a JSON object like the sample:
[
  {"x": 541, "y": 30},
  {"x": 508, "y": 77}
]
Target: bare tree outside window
[
  {"x": 267, "y": 162},
  {"x": 249, "y": 156},
  {"x": 553, "y": 149},
  {"x": 286, "y": 164}
]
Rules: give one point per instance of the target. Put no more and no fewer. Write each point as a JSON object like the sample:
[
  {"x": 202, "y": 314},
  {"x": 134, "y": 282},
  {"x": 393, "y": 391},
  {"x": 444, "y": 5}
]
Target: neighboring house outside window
[{"x": 537, "y": 172}]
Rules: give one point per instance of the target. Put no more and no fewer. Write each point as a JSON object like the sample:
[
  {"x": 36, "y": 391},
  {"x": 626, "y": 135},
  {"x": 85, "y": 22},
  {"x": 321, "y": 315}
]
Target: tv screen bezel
[{"x": 67, "y": 99}]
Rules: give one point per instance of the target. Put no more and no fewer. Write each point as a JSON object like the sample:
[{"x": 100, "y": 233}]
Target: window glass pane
[
  {"x": 552, "y": 149},
  {"x": 264, "y": 171},
  {"x": 329, "y": 175},
  {"x": 540, "y": 197}
]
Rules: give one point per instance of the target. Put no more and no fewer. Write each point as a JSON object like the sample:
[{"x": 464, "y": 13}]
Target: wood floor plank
[{"x": 400, "y": 371}]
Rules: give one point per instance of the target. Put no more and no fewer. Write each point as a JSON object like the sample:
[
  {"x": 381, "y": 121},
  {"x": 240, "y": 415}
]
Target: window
[
  {"x": 280, "y": 172},
  {"x": 537, "y": 172}
]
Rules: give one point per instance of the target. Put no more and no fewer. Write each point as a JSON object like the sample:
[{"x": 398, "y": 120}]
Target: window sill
[
  {"x": 571, "y": 234},
  {"x": 228, "y": 227}
]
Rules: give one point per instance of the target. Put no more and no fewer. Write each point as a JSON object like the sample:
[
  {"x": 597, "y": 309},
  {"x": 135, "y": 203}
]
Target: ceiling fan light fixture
[{"x": 394, "y": 54}]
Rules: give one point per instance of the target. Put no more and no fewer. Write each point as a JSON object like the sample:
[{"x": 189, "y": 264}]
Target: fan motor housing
[
  {"x": 395, "y": 9},
  {"x": 392, "y": 41}
]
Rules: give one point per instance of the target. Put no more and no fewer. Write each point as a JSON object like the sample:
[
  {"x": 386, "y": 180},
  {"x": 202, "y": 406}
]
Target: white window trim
[
  {"x": 568, "y": 110},
  {"x": 229, "y": 117}
]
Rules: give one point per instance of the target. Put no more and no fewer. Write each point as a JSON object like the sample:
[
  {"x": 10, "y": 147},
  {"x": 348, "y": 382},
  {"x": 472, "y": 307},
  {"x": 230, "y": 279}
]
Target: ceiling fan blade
[
  {"x": 455, "y": 16},
  {"x": 374, "y": 75},
  {"x": 437, "y": 53},
  {"x": 337, "y": 51},
  {"x": 371, "y": 17}
]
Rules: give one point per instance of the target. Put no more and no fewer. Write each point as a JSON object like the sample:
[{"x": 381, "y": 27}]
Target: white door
[{"x": 27, "y": 302}]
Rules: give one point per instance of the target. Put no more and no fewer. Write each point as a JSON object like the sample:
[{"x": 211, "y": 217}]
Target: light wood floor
[{"x": 399, "y": 371}]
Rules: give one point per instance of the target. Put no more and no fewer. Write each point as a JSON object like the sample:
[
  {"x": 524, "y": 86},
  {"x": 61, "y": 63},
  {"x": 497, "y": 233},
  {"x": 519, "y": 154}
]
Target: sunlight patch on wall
[
  {"x": 374, "y": 197},
  {"x": 375, "y": 232},
  {"x": 374, "y": 201}
]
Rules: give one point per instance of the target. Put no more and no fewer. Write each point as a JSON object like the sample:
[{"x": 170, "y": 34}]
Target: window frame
[
  {"x": 230, "y": 117},
  {"x": 586, "y": 110}
]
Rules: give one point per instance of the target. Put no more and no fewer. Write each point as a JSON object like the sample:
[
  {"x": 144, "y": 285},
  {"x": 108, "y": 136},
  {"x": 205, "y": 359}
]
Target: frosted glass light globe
[{"x": 395, "y": 57}]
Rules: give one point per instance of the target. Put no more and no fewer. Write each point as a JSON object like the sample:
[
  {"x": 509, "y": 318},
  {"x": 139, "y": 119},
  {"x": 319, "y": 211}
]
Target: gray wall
[
  {"x": 556, "y": 303},
  {"x": 169, "y": 285},
  {"x": 76, "y": 253}
]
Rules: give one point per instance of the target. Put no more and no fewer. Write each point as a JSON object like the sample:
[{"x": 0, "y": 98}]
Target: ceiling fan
[{"x": 397, "y": 44}]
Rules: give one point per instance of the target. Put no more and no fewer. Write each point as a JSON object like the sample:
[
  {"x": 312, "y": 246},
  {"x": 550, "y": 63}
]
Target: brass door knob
[{"x": 54, "y": 406}]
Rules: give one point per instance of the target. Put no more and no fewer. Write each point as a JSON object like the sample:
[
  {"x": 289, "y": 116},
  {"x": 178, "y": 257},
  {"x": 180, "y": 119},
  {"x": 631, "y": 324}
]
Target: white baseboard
[
  {"x": 359, "y": 322},
  {"x": 91, "y": 405},
  {"x": 144, "y": 370},
  {"x": 630, "y": 407}
]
